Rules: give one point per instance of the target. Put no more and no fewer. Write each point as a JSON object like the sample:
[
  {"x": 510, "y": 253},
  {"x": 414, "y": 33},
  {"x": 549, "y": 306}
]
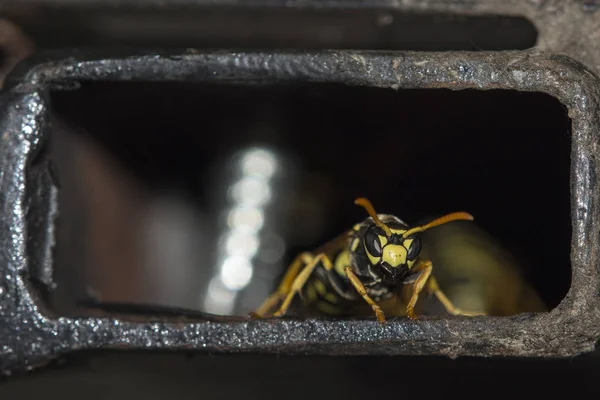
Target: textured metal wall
[{"x": 563, "y": 64}]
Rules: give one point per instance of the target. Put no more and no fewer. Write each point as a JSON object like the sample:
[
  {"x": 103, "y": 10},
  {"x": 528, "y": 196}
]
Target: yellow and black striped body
[
  {"x": 332, "y": 293},
  {"x": 365, "y": 266}
]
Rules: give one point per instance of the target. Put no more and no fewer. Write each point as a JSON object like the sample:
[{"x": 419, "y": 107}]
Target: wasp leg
[
  {"x": 425, "y": 278},
  {"x": 301, "y": 279},
  {"x": 418, "y": 285},
  {"x": 434, "y": 288},
  {"x": 285, "y": 286},
  {"x": 360, "y": 288}
]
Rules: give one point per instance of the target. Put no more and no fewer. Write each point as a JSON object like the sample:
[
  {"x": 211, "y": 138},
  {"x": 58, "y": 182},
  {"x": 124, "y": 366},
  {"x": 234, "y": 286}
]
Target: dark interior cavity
[{"x": 148, "y": 170}]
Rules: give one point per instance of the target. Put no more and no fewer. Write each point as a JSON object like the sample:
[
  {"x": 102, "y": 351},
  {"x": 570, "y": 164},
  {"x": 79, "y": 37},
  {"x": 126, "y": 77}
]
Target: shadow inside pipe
[{"x": 199, "y": 195}]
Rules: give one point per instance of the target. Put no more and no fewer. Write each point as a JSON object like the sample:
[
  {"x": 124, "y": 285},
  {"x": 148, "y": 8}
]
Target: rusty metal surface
[{"x": 31, "y": 335}]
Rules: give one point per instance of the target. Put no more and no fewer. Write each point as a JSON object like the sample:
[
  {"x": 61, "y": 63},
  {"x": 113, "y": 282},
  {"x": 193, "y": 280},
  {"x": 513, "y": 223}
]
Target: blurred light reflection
[
  {"x": 251, "y": 191},
  {"x": 259, "y": 162},
  {"x": 240, "y": 243},
  {"x": 246, "y": 219},
  {"x": 236, "y": 272}
]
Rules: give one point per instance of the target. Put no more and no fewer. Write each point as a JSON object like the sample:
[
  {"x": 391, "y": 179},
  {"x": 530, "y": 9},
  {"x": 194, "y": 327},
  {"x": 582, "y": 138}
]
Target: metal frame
[{"x": 32, "y": 335}]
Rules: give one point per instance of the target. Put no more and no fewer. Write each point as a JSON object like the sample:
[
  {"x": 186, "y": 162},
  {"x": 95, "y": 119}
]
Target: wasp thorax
[{"x": 393, "y": 254}]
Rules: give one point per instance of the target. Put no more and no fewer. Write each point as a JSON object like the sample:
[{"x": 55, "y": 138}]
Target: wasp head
[
  {"x": 392, "y": 254},
  {"x": 393, "y": 249}
]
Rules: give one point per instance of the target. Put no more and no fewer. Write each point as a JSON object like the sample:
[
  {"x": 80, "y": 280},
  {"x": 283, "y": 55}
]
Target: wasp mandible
[{"x": 368, "y": 262}]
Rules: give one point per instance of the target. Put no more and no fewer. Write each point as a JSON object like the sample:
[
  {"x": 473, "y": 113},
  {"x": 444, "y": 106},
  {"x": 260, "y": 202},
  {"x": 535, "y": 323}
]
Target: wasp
[{"x": 367, "y": 263}]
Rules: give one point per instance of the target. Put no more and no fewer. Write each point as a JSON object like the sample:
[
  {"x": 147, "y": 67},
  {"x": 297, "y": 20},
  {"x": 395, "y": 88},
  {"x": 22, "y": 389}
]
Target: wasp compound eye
[
  {"x": 415, "y": 248},
  {"x": 372, "y": 242}
]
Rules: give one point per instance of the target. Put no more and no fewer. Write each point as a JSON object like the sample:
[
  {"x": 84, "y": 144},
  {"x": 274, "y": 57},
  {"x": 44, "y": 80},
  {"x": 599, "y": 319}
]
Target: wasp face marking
[{"x": 393, "y": 255}]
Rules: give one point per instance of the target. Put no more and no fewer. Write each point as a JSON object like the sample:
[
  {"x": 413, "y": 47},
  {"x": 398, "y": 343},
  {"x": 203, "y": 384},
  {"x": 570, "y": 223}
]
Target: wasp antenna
[
  {"x": 366, "y": 204},
  {"x": 457, "y": 216}
]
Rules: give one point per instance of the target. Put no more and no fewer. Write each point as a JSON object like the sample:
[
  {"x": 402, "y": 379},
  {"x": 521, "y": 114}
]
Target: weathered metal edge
[
  {"x": 570, "y": 27},
  {"x": 573, "y": 327}
]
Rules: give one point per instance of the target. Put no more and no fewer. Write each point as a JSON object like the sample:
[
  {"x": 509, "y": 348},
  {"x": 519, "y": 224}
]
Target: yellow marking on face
[
  {"x": 374, "y": 260},
  {"x": 398, "y": 231},
  {"x": 394, "y": 255},
  {"x": 407, "y": 244},
  {"x": 383, "y": 240},
  {"x": 355, "y": 244},
  {"x": 356, "y": 227}
]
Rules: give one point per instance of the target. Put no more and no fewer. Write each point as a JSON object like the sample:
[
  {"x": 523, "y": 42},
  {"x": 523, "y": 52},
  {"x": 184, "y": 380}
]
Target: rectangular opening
[{"x": 149, "y": 173}]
